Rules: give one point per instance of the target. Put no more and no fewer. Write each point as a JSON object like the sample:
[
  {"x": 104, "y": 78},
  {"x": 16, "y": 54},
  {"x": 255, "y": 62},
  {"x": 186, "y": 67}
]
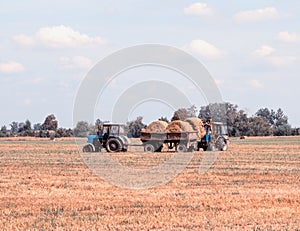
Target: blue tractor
[{"x": 109, "y": 136}]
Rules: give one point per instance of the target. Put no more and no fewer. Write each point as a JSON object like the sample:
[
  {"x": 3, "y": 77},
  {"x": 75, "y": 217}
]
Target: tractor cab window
[
  {"x": 224, "y": 130},
  {"x": 121, "y": 130},
  {"x": 220, "y": 129},
  {"x": 217, "y": 129},
  {"x": 114, "y": 130}
]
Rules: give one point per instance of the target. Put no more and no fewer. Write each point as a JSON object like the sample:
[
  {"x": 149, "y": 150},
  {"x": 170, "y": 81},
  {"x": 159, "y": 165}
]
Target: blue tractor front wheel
[{"x": 88, "y": 148}]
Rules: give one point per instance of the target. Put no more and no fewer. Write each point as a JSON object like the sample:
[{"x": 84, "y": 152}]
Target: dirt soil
[{"x": 255, "y": 185}]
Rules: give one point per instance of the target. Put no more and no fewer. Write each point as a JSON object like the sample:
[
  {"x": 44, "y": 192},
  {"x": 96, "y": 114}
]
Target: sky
[{"x": 250, "y": 48}]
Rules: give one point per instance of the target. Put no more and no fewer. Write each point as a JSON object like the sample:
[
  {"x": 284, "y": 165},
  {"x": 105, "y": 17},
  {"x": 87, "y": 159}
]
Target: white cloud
[
  {"x": 23, "y": 40},
  {"x": 264, "y": 53},
  {"x": 268, "y": 13},
  {"x": 264, "y": 50},
  {"x": 76, "y": 62},
  {"x": 203, "y": 48},
  {"x": 11, "y": 67},
  {"x": 281, "y": 60},
  {"x": 59, "y": 37},
  {"x": 198, "y": 8},
  {"x": 256, "y": 84},
  {"x": 288, "y": 37},
  {"x": 62, "y": 36}
]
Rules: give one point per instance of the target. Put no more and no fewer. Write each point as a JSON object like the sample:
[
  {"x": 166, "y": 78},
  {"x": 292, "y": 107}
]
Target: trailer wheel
[
  {"x": 221, "y": 144},
  {"x": 225, "y": 147},
  {"x": 149, "y": 148},
  {"x": 88, "y": 148},
  {"x": 181, "y": 148},
  {"x": 114, "y": 145},
  {"x": 211, "y": 147}
]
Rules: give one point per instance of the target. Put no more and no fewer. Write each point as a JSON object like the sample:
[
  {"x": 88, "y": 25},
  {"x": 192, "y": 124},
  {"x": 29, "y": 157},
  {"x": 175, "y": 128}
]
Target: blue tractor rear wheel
[{"x": 114, "y": 145}]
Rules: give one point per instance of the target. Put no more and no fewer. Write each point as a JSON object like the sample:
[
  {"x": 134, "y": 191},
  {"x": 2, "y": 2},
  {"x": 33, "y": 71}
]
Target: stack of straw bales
[
  {"x": 179, "y": 126},
  {"x": 197, "y": 125}
]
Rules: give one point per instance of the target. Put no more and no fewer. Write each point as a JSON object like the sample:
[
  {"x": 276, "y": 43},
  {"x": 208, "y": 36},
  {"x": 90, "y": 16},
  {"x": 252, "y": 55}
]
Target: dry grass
[{"x": 254, "y": 186}]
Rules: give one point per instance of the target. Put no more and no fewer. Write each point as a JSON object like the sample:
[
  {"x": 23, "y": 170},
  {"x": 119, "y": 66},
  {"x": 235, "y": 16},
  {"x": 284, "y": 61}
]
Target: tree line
[
  {"x": 49, "y": 128},
  {"x": 265, "y": 122}
]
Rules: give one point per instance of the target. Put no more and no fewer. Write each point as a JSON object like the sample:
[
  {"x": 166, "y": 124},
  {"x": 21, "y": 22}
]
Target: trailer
[
  {"x": 181, "y": 141},
  {"x": 215, "y": 139}
]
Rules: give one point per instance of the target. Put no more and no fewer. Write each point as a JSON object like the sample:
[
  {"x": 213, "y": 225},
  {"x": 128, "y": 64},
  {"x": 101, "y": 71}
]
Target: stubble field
[{"x": 255, "y": 185}]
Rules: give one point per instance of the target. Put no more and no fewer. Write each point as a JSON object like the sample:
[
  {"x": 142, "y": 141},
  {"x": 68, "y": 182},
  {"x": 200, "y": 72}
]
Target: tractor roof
[{"x": 111, "y": 124}]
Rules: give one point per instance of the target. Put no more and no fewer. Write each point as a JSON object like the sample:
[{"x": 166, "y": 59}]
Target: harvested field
[{"x": 255, "y": 185}]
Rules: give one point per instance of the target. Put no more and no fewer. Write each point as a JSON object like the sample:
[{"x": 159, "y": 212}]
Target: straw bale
[
  {"x": 197, "y": 125},
  {"x": 157, "y": 126},
  {"x": 179, "y": 126}
]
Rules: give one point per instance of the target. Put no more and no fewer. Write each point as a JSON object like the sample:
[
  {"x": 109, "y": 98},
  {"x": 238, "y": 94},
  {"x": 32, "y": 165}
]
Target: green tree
[
  {"x": 135, "y": 127},
  {"x": 241, "y": 123},
  {"x": 50, "y": 123},
  {"x": 277, "y": 120},
  {"x": 164, "y": 119},
  {"x": 81, "y": 129},
  {"x": 27, "y": 125},
  {"x": 63, "y": 132},
  {"x": 259, "y": 126},
  {"x": 14, "y": 127},
  {"x": 21, "y": 127},
  {"x": 295, "y": 132},
  {"x": 192, "y": 111},
  {"x": 269, "y": 115},
  {"x": 180, "y": 114},
  {"x": 281, "y": 126},
  {"x": 283, "y": 130},
  {"x": 3, "y": 131},
  {"x": 280, "y": 118},
  {"x": 224, "y": 112},
  {"x": 37, "y": 126},
  {"x": 218, "y": 111}
]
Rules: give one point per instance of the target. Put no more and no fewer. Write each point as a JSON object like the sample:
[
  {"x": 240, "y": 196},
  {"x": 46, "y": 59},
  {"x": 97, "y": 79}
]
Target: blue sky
[{"x": 251, "y": 49}]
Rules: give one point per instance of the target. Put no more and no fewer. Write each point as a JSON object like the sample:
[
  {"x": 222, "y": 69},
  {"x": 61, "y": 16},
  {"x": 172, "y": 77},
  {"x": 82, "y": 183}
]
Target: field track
[{"x": 255, "y": 185}]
